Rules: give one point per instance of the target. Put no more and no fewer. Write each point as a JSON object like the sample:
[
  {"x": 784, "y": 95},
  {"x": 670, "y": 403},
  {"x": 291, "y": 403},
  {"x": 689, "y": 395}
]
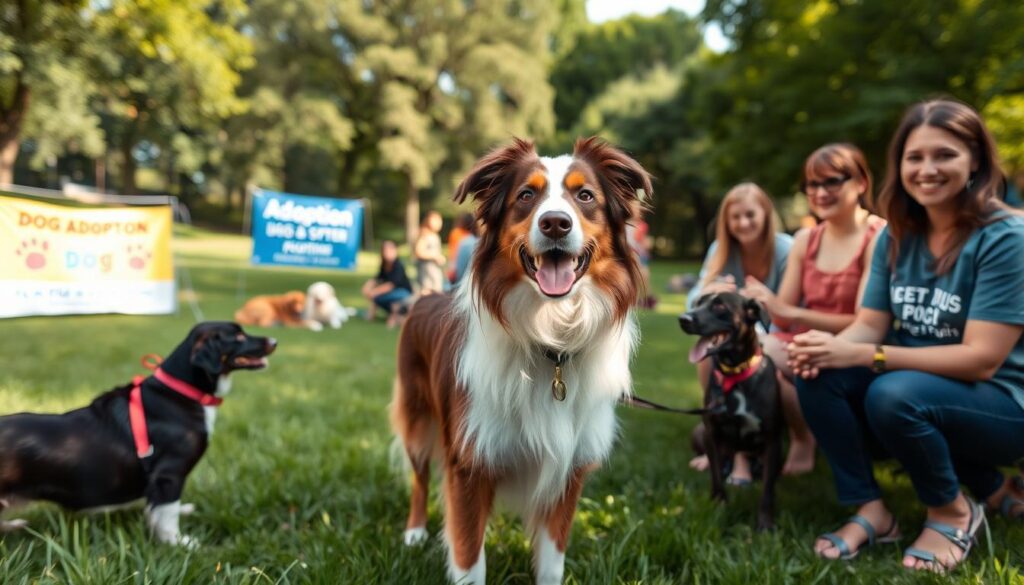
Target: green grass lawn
[{"x": 296, "y": 487}]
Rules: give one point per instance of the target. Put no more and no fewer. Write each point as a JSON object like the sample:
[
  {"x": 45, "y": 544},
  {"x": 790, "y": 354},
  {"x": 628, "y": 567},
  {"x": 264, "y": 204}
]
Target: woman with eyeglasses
[
  {"x": 825, "y": 274},
  {"x": 931, "y": 371}
]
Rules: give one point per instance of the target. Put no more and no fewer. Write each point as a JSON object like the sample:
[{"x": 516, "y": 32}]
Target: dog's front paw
[
  {"x": 415, "y": 536},
  {"x": 12, "y": 525},
  {"x": 178, "y": 539},
  {"x": 187, "y": 509},
  {"x": 315, "y": 326}
]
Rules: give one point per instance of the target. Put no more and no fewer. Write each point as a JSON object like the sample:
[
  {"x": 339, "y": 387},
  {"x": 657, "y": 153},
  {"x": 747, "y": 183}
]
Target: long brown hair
[
  {"x": 766, "y": 246},
  {"x": 976, "y": 205},
  {"x": 844, "y": 158}
]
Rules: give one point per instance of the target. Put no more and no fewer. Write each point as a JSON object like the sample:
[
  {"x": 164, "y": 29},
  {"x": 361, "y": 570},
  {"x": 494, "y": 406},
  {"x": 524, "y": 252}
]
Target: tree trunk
[
  {"x": 229, "y": 197},
  {"x": 128, "y": 167},
  {"x": 412, "y": 212},
  {"x": 8, "y": 154},
  {"x": 11, "y": 119},
  {"x": 704, "y": 217},
  {"x": 101, "y": 173}
]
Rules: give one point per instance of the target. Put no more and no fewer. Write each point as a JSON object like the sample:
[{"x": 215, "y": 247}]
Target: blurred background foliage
[{"x": 393, "y": 100}]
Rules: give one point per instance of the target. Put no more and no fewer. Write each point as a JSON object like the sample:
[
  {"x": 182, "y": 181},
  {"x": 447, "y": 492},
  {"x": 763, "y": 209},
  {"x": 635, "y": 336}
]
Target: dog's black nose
[
  {"x": 271, "y": 345},
  {"x": 555, "y": 224},
  {"x": 687, "y": 322}
]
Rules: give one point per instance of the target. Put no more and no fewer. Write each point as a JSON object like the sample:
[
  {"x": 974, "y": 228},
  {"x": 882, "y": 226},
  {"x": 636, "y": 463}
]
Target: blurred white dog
[{"x": 323, "y": 308}]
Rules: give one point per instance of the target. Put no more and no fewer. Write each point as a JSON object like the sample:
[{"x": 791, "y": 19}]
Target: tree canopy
[{"x": 393, "y": 101}]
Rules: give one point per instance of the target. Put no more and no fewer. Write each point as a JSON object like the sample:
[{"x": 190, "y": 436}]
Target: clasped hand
[{"x": 813, "y": 351}]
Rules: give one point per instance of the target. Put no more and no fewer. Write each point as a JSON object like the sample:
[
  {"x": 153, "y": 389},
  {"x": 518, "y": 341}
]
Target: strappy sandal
[
  {"x": 963, "y": 539},
  {"x": 1009, "y": 502},
  {"x": 845, "y": 554}
]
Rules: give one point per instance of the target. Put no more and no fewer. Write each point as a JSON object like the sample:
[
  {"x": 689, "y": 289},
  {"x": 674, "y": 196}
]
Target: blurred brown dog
[{"x": 271, "y": 310}]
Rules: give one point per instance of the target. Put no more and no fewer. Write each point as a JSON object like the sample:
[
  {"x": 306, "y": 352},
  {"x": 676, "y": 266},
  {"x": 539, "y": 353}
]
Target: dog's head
[
  {"x": 320, "y": 301},
  {"x": 726, "y": 323},
  {"x": 213, "y": 350},
  {"x": 556, "y": 224},
  {"x": 319, "y": 292},
  {"x": 293, "y": 302}
]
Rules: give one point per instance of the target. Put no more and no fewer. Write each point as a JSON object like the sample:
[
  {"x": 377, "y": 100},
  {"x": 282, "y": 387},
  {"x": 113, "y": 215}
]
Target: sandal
[
  {"x": 964, "y": 540},
  {"x": 1010, "y": 501},
  {"x": 738, "y": 481},
  {"x": 845, "y": 554}
]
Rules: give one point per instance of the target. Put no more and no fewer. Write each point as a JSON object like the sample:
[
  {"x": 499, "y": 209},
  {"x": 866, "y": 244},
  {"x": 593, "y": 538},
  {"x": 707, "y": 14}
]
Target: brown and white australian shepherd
[{"x": 511, "y": 383}]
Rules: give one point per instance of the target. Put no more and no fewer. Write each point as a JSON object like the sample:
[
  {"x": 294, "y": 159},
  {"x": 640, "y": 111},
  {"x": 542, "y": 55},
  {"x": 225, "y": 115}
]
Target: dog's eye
[
  {"x": 585, "y": 196},
  {"x": 718, "y": 307},
  {"x": 525, "y": 196}
]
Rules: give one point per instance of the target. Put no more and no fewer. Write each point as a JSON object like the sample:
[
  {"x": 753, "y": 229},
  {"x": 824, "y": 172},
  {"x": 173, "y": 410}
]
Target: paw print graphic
[
  {"x": 138, "y": 257},
  {"x": 34, "y": 252}
]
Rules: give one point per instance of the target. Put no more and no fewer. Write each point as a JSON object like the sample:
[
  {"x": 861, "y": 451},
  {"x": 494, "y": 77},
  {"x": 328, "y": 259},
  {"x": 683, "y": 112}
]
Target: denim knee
[
  {"x": 891, "y": 400},
  {"x": 826, "y": 381}
]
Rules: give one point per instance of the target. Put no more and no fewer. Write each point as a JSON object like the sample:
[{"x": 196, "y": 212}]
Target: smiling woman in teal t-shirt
[{"x": 931, "y": 371}]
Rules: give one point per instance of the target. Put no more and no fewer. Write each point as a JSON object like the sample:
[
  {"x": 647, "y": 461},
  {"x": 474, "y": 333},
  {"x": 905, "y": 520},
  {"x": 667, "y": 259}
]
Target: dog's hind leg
[
  {"x": 772, "y": 467},
  {"x": 714, "y": 464},
  {"x": 417, "y": 433},
  {"x": 419, "y": 458},
  {"x": 697, "y": 440}
]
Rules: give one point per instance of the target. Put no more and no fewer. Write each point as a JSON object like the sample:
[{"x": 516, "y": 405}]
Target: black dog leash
[
  {"x": 558, "y": 390},
  {"x": 637, "y": 402}
]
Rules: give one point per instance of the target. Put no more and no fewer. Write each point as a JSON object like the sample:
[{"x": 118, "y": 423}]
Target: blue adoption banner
[{"x": 299, "y": 230}]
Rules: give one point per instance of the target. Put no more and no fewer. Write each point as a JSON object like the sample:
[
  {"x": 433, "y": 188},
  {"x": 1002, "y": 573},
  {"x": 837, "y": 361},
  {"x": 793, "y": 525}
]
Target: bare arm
[
  {"x": 869, "y": 253},
  {"x": 421, "y": 250},
  {"x": 985, "y": 346}
]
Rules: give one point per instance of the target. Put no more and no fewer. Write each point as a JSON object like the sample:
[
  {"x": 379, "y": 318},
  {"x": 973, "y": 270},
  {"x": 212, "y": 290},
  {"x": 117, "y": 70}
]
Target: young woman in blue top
[
  {"x": 931, "y": 371},
  {"x": 747, "y": 243}
]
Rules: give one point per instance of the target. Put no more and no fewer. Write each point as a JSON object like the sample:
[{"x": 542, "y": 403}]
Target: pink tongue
[
  {"x": 699, "y": 351},
  {"x": 556, "y": 277}
]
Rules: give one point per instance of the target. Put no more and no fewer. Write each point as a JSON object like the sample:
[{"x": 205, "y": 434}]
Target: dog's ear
[
  {"x": 626, "y": 184},
  {"x": 754, "y": 312},
  {"x": 490, "y": 177},
  {"x": 207, "y": 353}
]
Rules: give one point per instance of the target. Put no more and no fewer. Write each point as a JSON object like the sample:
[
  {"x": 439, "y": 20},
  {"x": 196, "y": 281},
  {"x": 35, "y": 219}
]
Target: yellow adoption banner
[{"x": 58, "y": 260}]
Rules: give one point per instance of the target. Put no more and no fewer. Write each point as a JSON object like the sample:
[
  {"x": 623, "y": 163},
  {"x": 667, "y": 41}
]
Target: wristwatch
[{"x": 878, "y": 362}]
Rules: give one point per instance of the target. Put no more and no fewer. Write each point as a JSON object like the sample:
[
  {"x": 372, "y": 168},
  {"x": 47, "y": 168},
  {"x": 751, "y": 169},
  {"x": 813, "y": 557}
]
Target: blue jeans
[
  {"x": 943, "y": 431},
  {"x": 395, "y": 295}
]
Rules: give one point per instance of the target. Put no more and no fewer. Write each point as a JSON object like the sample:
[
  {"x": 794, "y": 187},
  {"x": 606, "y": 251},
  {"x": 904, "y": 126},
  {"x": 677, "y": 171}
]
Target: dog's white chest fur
[
  {"x": 210, "y": 412},
  {"x": 514, "y": 424},
  {"x": 751, "y": 423}
]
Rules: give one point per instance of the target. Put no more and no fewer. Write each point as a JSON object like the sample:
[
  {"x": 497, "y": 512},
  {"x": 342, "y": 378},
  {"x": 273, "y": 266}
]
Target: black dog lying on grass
[
  {"x": 742, "y": 399},
  {"x": 133, "y": 442}
]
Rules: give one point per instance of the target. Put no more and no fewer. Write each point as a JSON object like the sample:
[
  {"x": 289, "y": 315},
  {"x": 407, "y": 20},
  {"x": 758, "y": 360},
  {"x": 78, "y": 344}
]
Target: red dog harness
[
  {"x": 137, "y": 414},
  {"x": 728, "y": 380}
]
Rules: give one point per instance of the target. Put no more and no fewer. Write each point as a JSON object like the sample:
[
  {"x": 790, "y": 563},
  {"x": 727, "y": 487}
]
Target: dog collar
[
  {"x": 137, "y": 420},
  {"x": 137, "y": 412},
  {"x": 728, "y": 377},
  {"x": 187, "y": 390},
  {"x": 557, "y": 385}
]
